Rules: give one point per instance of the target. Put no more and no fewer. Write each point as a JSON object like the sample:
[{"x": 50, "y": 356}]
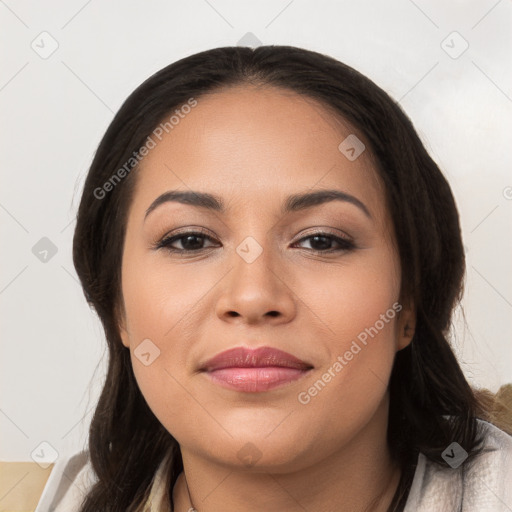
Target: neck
[{"x": 360, "y": 476}]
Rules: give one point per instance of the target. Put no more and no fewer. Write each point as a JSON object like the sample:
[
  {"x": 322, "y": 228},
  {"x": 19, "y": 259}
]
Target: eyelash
[{"x": 165, "y": 243}]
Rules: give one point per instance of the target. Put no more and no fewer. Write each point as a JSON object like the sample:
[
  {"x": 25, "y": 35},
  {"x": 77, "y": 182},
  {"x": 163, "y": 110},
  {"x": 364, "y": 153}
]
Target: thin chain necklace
[
  {"x": 400, "y": 504},
  {"x": 191, "y": 505}
]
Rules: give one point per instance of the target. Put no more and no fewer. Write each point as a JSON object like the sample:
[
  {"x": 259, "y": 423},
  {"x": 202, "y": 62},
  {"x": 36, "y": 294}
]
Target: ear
[
  {"x": 406, "y": 325},
  {"x": 121, "y": 323}
]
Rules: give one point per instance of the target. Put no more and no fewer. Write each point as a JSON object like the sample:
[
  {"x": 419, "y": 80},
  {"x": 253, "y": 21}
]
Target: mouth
[{"x": 254, "y": 370}]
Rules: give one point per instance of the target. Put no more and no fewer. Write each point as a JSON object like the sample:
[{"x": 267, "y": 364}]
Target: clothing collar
[{"x": 158, "y": 498}]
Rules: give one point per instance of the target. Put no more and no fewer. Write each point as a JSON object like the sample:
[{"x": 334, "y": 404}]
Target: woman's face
[{"x": 257, "y": 276}]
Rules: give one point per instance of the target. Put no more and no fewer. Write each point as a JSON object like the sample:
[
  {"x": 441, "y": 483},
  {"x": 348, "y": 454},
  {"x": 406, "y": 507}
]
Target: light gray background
[{"x": 56, "y": 109}]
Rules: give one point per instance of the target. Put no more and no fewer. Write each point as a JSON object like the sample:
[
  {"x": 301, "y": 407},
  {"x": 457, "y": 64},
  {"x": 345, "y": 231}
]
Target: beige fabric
[
  {"x": 74, "y": 476},
  {"x": 21, "y": 485},
  {"x": 68, "y": 484}
]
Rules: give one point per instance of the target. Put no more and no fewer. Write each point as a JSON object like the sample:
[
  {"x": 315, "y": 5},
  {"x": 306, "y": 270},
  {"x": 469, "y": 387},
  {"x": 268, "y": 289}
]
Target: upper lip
[{"x": 242, "y": 357}]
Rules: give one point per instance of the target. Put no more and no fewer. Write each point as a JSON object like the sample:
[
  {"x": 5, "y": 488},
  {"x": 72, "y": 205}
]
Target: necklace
[
  {"x": 397, "y": 501},
  {"x": 191, "y": 506}
]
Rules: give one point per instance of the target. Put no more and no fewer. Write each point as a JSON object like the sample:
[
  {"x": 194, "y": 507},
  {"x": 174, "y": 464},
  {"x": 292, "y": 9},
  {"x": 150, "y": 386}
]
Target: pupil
[
  {"x": 325, "y": 240},
  {"x": 190, "y": 246},
  {"x": 320, "y": 242}
]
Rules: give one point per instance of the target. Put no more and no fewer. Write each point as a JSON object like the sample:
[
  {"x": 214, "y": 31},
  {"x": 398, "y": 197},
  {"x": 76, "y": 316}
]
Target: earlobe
[
  {"x": 123, "y": 332},
  {"x": 406, "y": 327},
  {"x": 124, "y": 336}
]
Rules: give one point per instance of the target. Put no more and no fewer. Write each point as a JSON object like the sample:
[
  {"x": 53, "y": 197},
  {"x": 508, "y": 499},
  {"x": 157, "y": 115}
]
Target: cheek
[
  {"x": 352, "y": 384},
  {"x": 349, "y": 300},
  {"x": 161, "y": 390},
  {"x": 157, "y": 296},
  {"x": 159, "y": 351},
  {"x": 358, "y": 309},
  {"x": 161, "y": 317}
]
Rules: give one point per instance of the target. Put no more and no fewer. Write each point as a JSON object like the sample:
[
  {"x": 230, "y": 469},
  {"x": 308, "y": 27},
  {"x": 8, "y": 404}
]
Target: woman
[{"x": 295, "y": 356}]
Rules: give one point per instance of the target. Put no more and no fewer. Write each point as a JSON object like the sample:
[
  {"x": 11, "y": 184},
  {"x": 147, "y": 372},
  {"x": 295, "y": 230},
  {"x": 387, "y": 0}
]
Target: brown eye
[
  {"x": 322, "y": 243},
  {"x": 191, "y": 241}
]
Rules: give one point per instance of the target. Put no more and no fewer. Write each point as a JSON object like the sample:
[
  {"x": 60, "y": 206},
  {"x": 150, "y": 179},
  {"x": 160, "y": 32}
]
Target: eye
[
  {"x": 193, "y": 241},
  {"x": 324, "y": 241},
  {"x": 190, "y": 241}
]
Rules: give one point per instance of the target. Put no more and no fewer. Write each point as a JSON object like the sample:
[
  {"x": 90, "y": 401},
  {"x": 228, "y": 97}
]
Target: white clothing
[{"x": 485, "y": 487}]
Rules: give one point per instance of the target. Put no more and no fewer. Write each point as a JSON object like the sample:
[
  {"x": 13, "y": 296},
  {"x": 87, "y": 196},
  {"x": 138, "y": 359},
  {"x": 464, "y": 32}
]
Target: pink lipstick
[{"x": 254, "y": 370}]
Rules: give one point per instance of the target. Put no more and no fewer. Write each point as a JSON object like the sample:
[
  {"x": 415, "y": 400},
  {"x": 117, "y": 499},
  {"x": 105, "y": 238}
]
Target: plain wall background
[{"x": 56, "y": 109}]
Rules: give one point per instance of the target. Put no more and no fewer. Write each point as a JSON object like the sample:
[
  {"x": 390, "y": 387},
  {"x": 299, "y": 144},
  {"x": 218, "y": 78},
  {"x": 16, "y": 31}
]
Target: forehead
[{"x": 257, "y": 144}]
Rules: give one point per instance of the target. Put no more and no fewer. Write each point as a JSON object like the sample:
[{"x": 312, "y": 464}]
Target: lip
[
  {"x": 261, "y": 357},
  {"x": 254, "y": 370}
]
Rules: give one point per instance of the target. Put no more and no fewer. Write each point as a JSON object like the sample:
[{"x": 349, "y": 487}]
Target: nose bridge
[
  {"x": 254, "y": 244},
  {"x": 255, "y": 263},
  {"x": 256, "y": 284}
]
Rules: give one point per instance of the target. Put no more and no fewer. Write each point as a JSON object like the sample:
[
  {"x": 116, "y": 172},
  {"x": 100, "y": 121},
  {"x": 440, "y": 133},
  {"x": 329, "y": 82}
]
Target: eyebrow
[{"x": 293, "y": 203}]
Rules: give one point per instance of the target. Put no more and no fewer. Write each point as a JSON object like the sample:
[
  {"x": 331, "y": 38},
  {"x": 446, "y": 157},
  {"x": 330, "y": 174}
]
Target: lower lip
[{"x": 255, "y": 380}]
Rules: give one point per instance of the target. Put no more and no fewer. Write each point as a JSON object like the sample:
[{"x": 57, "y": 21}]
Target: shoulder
[
  {"x": 482, "y": 486},
  {"x": 70, "y": 480}
]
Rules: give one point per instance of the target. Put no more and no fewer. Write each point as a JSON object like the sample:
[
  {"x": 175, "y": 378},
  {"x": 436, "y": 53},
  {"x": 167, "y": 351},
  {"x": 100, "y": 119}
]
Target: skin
[{"x": 254, "y": 146}]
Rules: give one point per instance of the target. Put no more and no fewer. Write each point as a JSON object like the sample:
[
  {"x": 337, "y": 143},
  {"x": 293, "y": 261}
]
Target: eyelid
[
  {"x": 182, "y": 231},
  {"x": 345, "y": 243},
  {"x": 319, "y": 230}
]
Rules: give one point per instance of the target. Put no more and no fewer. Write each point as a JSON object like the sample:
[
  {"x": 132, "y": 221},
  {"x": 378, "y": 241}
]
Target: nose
[{"x": 257, "y": 292}]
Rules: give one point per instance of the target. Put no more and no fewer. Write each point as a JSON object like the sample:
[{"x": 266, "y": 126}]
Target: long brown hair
[{"x": 431, "y": 403}]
